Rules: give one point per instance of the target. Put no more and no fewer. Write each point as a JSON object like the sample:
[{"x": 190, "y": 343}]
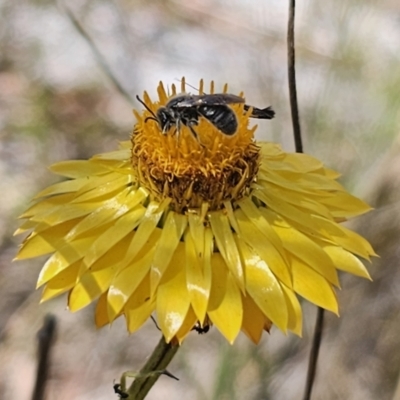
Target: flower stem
[{"x": 158, "y": 361}]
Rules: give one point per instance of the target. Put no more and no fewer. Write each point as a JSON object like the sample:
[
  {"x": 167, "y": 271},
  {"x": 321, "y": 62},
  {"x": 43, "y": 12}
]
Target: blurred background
[{"x": 57, "y": 102}]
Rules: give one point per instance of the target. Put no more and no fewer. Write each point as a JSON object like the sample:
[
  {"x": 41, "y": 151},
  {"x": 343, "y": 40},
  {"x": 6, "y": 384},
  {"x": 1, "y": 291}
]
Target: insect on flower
[
  {"x": 227, "y": 237},
  {"x": 186, "y": 109}
]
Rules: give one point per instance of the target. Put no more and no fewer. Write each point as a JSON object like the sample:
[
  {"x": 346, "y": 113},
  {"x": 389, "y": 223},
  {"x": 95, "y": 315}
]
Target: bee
[{"x": 186, "y": 109}]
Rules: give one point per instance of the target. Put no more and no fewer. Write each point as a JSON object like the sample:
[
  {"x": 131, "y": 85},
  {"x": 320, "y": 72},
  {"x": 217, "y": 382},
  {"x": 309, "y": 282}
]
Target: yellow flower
[{"x": 220, "y": 230}]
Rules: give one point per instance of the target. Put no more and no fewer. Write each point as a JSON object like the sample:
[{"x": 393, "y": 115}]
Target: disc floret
[{"x": 212, "y": 168}]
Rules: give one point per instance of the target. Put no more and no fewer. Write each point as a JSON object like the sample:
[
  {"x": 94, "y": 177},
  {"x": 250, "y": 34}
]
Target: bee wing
[
  {"x": 217, "y": 99},
  {"x": 261, "y": 113}
]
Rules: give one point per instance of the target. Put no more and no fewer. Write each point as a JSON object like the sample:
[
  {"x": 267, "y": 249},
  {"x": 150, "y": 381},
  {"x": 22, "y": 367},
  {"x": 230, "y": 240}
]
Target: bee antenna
[
  {"x": 151, "y": 118},
  {"x": 188, "y": 84},
  {"x": 154, "y": 116}
]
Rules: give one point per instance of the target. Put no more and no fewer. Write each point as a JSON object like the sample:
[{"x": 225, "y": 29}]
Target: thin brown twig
[
  {"x": 312, "y": 361},
  {"x": 46, "y": 336},
  {"x": 292, "y": 79},
  {"x": 97, "y": 53},
  {"x": 316, "y": 344}
]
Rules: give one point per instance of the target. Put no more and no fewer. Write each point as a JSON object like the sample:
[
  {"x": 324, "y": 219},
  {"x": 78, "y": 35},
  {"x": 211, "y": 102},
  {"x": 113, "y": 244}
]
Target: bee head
[{"x": 165, "y": 118}]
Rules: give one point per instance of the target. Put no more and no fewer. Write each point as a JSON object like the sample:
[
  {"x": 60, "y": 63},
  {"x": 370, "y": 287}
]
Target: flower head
[{"x": 205, "y": 229}]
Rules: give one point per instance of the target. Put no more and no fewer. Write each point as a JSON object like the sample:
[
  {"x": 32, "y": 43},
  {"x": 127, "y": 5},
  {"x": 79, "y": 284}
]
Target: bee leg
[
  {"x": 195, "y": 135},
  {"x": 178, "y": 129}
]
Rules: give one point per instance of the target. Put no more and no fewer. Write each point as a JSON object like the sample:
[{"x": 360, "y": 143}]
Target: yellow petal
[
  {"x": 346, "y": 261},
  {"x": 34, "y": 246},
  {"x": 127, "y": 281},
  {"x": 26, "y": 226},
  {"x": 253, "y": 320},
  {"x": 62, "y": 187},
  {"x": 78, "y": 168},
  {"x": 98, "y": 218},
  {"x": 172, "y": 298},
  {"x": 63, "y": 282},
  {"x": 312, "y": 286},
  {"x": 304, "y": 203},
  {"x": 289, "y": 212},
  {"x": 227, "y": 246},
  {"x": 117, "y": 159},
  {"x": 45, "y": 242},
  {"x": 346, "y": 238},
  {"x": 198, "y": 276},
  {"x": 63, "y": 213},
  {"x": 295, "y": 320},
  {"x": 136, "y": 317},
  {"x": 171, "y": 235},
  {"x": 313, "y": 182},
  {"x": 272, "y": 151},
  {"x": 187, "y": 325},
  {"x": 253, "y": 213},
  {"x": 44, "y": 205},
  {"x": 345, "y": 205},
  {"x": 101, "y": 316},
  {"x": 105, "y": 189},
  {"x": 140, "y": 306},
  {"x": 263, "y": 248},
  {"x": 90, "y": 286},
  {"x": 196, "y": 226},
  {"x": 304, "y": 248},
  {"x": 147, "y": 226},
  {"x": 225, "y": 306},
  {"x": 263, "y": 287},
  {"x": 269, "y": 179},
  {"x": 122, "y": 227},
  {"x": 303, "y": 162},
  {"x": 138, "y": 248},
  {"x": 62, "y": 259},
  {"x": 231, "y": 215}
]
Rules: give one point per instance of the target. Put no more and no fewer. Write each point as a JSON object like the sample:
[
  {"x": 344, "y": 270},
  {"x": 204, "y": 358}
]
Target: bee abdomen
[{"x": 222, "y": 117}]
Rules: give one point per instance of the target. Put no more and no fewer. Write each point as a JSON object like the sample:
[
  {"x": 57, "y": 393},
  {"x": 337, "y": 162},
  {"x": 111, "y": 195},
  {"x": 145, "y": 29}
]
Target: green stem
[{"x": 158, "y": 361}]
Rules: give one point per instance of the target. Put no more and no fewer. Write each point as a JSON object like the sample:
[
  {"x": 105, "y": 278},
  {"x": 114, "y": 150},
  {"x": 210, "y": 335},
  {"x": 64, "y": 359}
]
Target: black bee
[{"x": 186, "y": 109}]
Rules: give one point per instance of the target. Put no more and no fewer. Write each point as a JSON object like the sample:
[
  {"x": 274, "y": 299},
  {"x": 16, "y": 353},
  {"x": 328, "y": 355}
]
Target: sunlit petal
[
  {"x": 224, "y": 238},
  {"x": 172, "y": 297},
  {"x": 225, "y": 306}
]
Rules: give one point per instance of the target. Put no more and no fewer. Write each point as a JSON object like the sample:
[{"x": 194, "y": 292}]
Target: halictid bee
[{"x": 186, "y": 109}]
